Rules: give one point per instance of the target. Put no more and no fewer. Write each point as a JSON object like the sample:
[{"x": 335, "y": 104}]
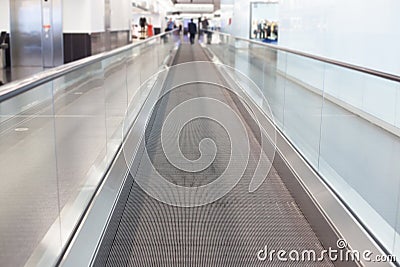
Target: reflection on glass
[
  {"x": 274, "y": 82},
  {"x": 57, "y": 141},
  {"x": 79, "y": 104},
  {"x": 358, "y": 158},
  {"x": 28, "y": 184},
  {"x": 303, "y": 104},
  {"x": 344, "y": 122}
]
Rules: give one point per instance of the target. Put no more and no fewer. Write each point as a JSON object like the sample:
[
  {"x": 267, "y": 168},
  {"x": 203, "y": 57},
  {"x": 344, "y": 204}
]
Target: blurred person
[
  {"x": 199, "y": 27},
  {"x": 204, "y": 24},
  {"x": 170, "y": 25},
  {"x": 192, "y": 31},
  {"x": 143, "y": 24}
]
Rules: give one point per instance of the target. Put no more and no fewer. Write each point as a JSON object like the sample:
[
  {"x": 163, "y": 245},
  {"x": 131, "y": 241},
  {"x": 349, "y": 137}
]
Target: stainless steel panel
[
  {"x": 2, "y": 59},
  {"x": 52, "y": 39},
  {"x": 98, "y": 42},
  {"x": 47, "y": 33},
  {"x": 26, "y": 40},
  {"x": 107, "y": 24},
  {"x": 58, "y": 49},
  {"x": 119, "y": 38},
  {"x": 36, "y": 33}
]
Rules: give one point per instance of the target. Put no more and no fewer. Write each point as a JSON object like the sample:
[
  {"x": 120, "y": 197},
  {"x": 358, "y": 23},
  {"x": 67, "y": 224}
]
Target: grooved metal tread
[{"x": 227, "y": 232}]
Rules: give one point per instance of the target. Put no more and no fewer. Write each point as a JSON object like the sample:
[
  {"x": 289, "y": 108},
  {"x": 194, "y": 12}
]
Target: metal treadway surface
[{"x": 227, "y": 232}]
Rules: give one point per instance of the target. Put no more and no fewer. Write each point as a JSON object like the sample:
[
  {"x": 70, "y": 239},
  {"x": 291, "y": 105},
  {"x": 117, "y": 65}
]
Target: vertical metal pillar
[
  {"x": 36, "y": 33},
  {"x": 52, "y": 35},
  {"x": 107, "y": 24}
]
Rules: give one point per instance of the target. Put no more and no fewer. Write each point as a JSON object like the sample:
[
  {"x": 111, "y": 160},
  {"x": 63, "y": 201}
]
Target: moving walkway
[{"x": 186, "y": 160}]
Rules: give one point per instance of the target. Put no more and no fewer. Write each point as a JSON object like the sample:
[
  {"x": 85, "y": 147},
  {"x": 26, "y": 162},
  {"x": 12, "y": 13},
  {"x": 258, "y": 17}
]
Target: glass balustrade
[
  {"x": 344, "y": 122},
  {"x": 57, "y": 142},
  {"x": 59, "y": 138}
]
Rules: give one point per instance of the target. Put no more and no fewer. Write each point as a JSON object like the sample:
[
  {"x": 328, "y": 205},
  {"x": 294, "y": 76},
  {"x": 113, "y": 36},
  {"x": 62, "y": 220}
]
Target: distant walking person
[
  {"x": 170, "y": 25},
  {"x": 192, "y": 31}
]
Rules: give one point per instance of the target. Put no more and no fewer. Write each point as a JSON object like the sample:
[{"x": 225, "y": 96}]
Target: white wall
[
  {"x": 241, "y": 18},
  {"x": 226, "y": 14},
  {"x": 83, "y": 16},
  {"x": 120, "y": 14},
  {"x": 76, "y": 16},
  {"x": 97, "y": 15},
  {"x": 5, "y": 15},
  {"x": 268, "y": 11},
  {"x": 360, "y": 32}
]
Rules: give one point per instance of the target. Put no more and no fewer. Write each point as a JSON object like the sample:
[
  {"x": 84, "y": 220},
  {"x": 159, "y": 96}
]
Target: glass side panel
[
  {"x": 133, "y": 73},
  {"x": 29, "y": 202},
  {"x": 250, "y": 60},
  {"x": 116, "y": 100},
  {"x": 303, "y": 104},
  {"x": 358, "y": 157},
  {"x": 220, "y": 47},
  {"x": 149, "y": 60},
  {"x": 274, "y": 74},
  {"x": 57, "y": 142},
  {"x": 345, "y": 123},
  {"x": 79, "y": 104}
]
